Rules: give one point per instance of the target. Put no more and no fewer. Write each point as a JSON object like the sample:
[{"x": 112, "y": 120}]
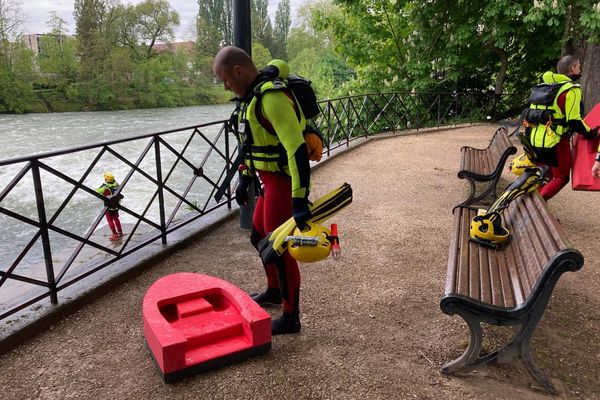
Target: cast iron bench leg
[
  {"x": 471, "y": 354},
  {"x": 534, "y": 370},
  {"x": 517, "y": 348}
]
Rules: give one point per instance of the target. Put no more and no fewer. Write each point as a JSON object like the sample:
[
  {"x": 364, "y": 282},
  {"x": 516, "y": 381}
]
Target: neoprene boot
[
  {"x": 287, "y": 323},
  {"x": 271, "y": 296}
]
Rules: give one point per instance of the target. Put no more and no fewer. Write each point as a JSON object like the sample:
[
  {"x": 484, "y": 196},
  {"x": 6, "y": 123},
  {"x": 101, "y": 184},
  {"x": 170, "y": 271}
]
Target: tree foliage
[
  {"x": 343, "y": 46},
  {"x": 16, "y": 68},
  {"x": 261, "y": 27},
  {"x": 57, "y": 60},
  {"x": 499, "y": 46},
  {"x": 311, "y": 49},
  {"x": 214, "y": 25},
  {"x": 283, "y": 22}
]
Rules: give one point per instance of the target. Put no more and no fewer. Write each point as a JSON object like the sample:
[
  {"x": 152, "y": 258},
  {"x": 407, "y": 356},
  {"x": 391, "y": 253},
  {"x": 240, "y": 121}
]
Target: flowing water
[{"x": 33, "y": 134}]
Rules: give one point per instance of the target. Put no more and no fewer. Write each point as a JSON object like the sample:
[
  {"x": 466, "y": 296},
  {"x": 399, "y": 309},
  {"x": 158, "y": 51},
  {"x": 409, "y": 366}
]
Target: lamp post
[{"x": 241, "y": 25}]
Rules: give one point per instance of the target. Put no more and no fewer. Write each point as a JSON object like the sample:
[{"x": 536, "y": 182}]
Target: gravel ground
[{"x": 371, "y": 323}]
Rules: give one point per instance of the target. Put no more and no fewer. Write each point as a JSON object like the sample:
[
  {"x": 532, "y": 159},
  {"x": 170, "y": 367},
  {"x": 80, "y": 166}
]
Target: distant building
[
  {"x": 174, "y": 47},
  {"x": 33, "y": 40}
]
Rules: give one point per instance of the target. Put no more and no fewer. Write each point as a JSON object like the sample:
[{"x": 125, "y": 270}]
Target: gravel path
[{"x": 371, "y": 323}]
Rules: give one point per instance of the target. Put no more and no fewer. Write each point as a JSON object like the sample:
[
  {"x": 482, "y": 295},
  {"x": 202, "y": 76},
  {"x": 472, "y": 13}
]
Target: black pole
[
  {"x": 41, "y": 208},
  {"x": 161, "y": 196},
  {"x": 241, "y": 25}
]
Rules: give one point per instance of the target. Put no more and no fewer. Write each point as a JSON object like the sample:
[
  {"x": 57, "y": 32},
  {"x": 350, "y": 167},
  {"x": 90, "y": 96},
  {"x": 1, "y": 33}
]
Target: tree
[
  {"x": 591, "y": 76},
  {"x": 16, "y": 67},
  {"x": 409, "y": 44},
  {"x": 214, "y": 25},
  {"x": 260, "y": 55},
  {"x": 227, "y": 23},
  {"x": 262, "y": 30},
  {"x": 11, "y": 19},
  {"x": 311, "y": 50},
  {"x": 88, "y": 18},
  {"x": 283, "y": 22},
  {"x": 56, "y": 58},
  {"x": 156, "y": 21}
]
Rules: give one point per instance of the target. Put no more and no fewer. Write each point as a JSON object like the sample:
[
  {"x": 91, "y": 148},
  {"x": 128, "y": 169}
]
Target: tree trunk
[
  {"x": 591, "y": 76},
  {"x": 502, "y": 72}
]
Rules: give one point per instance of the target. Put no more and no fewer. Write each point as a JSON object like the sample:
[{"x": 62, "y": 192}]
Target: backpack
[
  {"x": 112, "y": 201},
  {"x": 542, "y": 97},
  {"x": 305, "y": 94},
  {"x": 304, "y": 97}
]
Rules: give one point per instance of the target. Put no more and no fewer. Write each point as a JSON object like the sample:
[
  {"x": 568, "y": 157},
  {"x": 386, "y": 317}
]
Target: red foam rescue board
[
  {"x": 194, "y": 323},
  {"x": 584, "y": 154}
]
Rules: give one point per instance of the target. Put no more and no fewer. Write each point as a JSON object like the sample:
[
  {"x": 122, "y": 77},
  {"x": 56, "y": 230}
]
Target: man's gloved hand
[
  {"x": 593, "y": 133},
  {"x": 241, "y": 192},
  {"x": 300, "y": 212}
]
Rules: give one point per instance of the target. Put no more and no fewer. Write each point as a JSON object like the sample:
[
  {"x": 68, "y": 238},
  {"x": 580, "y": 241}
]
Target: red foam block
[
  {"x": 194, "y": 323},
  {"x": 584, "y": 154}
]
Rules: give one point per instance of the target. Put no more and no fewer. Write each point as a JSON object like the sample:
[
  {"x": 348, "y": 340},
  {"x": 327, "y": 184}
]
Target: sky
[{"x": 37, "y": 12}]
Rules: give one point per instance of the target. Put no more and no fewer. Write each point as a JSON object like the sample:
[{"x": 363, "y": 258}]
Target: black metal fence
[{"x": 169, "y": 180}]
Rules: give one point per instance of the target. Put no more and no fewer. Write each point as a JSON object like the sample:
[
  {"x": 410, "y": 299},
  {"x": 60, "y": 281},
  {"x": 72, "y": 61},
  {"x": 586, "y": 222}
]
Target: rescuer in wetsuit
[{"x": 281, "y": 163}]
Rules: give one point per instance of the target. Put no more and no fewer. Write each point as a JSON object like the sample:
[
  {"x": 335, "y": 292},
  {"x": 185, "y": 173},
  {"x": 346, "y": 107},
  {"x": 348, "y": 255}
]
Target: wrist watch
[{"x": 597, "y": 156}]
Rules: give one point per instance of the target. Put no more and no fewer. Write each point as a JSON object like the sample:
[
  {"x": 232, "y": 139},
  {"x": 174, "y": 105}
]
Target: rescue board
[
  {"x": 194, "y": 323},
  {"x": 584, "y": 154}
]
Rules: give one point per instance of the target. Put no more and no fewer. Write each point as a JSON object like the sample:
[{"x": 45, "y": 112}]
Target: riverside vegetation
[{"x": 114, "y": 58}]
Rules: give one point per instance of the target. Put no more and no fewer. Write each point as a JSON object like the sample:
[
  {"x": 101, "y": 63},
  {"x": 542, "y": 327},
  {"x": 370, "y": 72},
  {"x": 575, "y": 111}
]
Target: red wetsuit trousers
[
  {"x": 112, "y": 217},
  {"x": 273, "y": 208},
  {"x": 559, "y": 174}
]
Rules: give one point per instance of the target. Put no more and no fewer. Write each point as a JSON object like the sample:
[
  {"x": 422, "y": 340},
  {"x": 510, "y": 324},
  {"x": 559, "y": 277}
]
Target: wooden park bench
[
  {"x": 485, "y": 165},
  {"x": 508, "y": 286}
]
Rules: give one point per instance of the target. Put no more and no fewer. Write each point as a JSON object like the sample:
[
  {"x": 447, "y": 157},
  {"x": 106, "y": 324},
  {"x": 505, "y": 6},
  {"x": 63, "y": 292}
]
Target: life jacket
[
  {"x": 545, "y": 122},
  {"x": 299, "y": 90},
  {"x": 262, "y": 149}
]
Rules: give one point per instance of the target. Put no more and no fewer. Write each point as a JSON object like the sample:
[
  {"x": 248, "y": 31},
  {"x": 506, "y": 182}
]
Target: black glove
[
  {"x": 593, "y": 133},
  {"x": 241, "y": 192},
  {"x": 300, "y": 212}
]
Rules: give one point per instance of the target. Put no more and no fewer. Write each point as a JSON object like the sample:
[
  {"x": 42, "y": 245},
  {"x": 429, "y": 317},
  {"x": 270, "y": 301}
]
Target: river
[{"x": 30, "y": 134}]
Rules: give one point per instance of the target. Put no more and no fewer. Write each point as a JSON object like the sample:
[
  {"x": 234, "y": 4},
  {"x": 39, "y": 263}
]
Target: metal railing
[{"x": 174, "y": 175}]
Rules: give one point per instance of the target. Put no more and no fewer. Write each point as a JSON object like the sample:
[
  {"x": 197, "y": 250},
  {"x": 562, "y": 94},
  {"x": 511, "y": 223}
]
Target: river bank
[{"x": 51, "y": 101}]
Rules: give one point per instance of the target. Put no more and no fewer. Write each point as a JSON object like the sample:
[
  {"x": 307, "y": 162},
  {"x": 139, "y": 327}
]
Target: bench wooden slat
[
  {"x": 454, "y": 254},
  {"x": 487, "y": 261},
  {"x": 463, "y": 271},
  {"x": 504, "y": 297},
  {"x": 496, "y": 154},
  {"x": 474, "y": 273},
  {"x": 538, "y": 237},
  {"x": 523, "y": 232},
  {"x": 512, "y": 257}
]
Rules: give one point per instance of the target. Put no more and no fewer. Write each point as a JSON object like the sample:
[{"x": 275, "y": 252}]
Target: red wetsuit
[
  {"x": 112, "y": 217},
  {"x": 277, "y": 199},
  {"x": 560, "y": 172}
]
